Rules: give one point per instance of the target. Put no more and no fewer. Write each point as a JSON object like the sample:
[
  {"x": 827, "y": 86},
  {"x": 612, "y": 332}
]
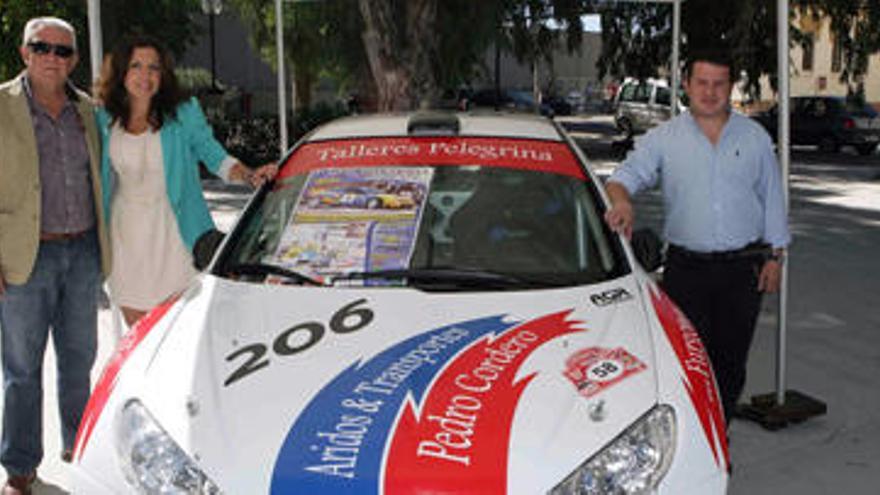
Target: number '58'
[{"x": 349, "y": 318}]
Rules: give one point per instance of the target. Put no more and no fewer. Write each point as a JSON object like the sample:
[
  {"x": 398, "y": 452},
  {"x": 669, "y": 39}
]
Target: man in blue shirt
[{"x": 725, "y": 223}]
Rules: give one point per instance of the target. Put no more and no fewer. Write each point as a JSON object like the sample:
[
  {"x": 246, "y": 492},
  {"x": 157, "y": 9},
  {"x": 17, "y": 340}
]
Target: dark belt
[
  {"x": 753, "y": 250},
  {"x": 63, "y": 236}
]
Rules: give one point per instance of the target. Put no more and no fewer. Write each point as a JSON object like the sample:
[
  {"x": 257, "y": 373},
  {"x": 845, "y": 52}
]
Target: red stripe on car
[
  {"x": 107, "y": 382},
  {"x": 698, "y": 379}
]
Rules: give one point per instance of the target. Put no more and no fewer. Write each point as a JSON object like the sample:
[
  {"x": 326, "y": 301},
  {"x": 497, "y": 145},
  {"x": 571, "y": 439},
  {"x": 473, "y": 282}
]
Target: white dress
[{"x": 150, "y": 260}]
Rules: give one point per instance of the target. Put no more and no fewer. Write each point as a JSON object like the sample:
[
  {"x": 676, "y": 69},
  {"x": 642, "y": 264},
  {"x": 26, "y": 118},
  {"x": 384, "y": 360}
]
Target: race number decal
[{"x": 594, "y": 369}]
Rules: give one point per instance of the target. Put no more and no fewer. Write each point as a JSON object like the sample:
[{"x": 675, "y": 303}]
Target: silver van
[{"x": 643, "y": 104}]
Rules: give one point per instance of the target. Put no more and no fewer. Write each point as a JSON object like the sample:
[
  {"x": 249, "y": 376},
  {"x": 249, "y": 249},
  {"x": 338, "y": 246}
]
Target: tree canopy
[
  {"x": 636, "y": 36},
  {"x": 401, "y": 52}
]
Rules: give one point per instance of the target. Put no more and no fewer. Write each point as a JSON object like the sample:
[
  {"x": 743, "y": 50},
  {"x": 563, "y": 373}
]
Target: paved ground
[{"x": 833, "y": 329}]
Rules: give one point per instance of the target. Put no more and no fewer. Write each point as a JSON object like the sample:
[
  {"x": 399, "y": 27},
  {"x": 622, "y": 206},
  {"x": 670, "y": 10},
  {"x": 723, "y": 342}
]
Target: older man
[{"x": 52, "y": 244}]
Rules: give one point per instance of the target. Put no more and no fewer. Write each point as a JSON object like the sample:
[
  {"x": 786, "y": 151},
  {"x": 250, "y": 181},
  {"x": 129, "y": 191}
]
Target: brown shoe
[{"x": 19, "y": 485}]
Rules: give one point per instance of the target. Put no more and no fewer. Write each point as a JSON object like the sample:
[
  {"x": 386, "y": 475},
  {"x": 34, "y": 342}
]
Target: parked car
[
  {"x": 829, "y": 122},
  {"x": 641, "y": 105},
  {"x": 518, "y": 101},
  {"x": 560, "y": 105},
  {"x": 577, "y": 100},
  {"x": 497, "y": 338}
]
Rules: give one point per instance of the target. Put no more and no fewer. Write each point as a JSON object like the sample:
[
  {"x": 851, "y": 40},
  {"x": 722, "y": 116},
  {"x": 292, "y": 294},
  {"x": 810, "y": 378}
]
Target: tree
[
  {"x": 321, "y": 38},
  {"x": 406, "y": 52},
  {"x": 536, "y": 29},
  {"x": 856, "y": 28},
  {"x": 636, "y": 37},
  {"x": 400, "y": 40}
]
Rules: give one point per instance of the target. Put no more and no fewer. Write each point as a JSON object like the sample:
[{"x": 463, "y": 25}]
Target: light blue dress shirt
[{"x": 717, "y": 197}]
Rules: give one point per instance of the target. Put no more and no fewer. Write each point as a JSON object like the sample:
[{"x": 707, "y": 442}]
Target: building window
[
  {"x": 807, "y": 60},
  {"x": 837, "y": 54}
]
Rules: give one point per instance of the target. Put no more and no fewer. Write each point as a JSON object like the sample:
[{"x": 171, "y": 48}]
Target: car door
[
  {"x": 661, "y": 106},
  {"x": 817, "y": 121},
  {"x": 641, "y": 106},
  {"x": 800, "y": 109}
]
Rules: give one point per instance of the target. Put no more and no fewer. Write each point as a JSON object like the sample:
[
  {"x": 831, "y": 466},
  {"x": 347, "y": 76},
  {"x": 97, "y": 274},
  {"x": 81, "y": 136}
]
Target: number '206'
[{"x": 349, "y": 318}]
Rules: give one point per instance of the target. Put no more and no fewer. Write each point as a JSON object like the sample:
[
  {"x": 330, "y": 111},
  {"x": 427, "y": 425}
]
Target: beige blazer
[{"x": 20, "y": 182}]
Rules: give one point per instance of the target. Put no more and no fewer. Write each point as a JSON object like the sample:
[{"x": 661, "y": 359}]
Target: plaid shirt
[{"x": 67, "y": 203}]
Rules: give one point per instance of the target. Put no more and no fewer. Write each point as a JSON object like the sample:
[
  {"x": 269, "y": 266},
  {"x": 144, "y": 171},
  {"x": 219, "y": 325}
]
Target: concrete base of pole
[{"x": 766, "y": 411}]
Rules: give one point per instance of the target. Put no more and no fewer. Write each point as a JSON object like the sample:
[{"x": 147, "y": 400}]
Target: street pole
[
  {"x": 282, "y": 104},
  {"x": 212, "y": 8},
  {"x": 784, "y": 160},
  {"x": 213, "y": 51},
  {"x": 676, "y": 39},
  {"x": 784, "y": 407},
  {"x": 96, "y": 45}
]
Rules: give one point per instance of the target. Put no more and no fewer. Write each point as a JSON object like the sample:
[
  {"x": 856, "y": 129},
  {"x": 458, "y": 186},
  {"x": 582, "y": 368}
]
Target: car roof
[
  {"x": 650, "y": 80},
  {"x": 474, "y": 124}
]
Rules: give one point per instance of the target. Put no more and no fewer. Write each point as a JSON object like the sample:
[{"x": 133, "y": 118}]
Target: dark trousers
[{"x": 721, "y": 299}]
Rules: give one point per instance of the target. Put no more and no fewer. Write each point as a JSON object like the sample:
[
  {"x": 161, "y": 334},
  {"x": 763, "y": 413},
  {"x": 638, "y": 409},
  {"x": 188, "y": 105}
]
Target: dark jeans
[
  {"x": 721, "y": 299},
  {"x": 59, "y": 297}
]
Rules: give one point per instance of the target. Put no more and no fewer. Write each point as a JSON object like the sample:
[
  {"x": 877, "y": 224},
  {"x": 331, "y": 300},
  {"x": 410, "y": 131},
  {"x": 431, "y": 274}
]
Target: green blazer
[
  {"x": 186, "y": 139},
  {"x": 20, "y": 182}
]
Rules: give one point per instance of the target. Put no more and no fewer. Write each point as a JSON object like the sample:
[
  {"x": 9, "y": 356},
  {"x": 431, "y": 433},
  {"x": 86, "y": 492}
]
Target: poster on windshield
[{"x": 355, "y": 220}]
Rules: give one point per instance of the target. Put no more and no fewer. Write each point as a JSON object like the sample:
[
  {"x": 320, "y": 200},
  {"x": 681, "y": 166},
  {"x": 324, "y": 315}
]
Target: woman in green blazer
[{"x": 153, "y": 141}]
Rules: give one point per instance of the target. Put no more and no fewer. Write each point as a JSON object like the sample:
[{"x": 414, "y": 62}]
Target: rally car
[{"x": 496, "y": 338}]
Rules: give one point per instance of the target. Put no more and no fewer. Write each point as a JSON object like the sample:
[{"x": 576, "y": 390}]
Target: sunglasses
[{"x": 43, "y": 48}]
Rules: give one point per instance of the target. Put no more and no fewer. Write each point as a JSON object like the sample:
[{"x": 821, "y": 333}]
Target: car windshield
[{"x": 479, "y": 214}]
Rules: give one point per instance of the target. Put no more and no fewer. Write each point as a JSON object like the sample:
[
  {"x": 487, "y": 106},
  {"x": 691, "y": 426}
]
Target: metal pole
[
  {"x": 784, "y": 160},
  {"x": 96, "y": 45},
  {"x": 282, "y": 105},
  {"x": 213, "y": 51},
  {"x": 676, "y": 38}
]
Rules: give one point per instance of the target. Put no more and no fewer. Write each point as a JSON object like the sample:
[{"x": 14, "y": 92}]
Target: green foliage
[
  {"x": 856, "y": 24},
  {"x": 193, "y": 79},
  {"x": 325, "y": 38},
  {"x": 637, "y": 36},
  {"x": 322, "y": 39},
  {"x": 171, "y": 21},
  {"x": 255, "y": 140}
]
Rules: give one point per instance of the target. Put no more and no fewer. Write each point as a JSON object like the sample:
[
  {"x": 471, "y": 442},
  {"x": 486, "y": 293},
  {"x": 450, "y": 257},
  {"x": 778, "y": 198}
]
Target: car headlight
[
  {"x": 152, "y": 462},
  {"x": 632, "y": 464}
]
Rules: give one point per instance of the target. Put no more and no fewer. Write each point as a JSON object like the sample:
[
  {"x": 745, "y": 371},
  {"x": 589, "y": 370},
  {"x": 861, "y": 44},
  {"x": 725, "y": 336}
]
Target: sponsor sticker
[
  {"x": 431, "y": 414},
  {"x": 594, "y": 369},
  {"x": 611, "y": 296}
]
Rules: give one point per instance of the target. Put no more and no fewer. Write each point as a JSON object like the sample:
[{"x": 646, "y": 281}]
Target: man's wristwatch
[{"x": 776, "y": 255}]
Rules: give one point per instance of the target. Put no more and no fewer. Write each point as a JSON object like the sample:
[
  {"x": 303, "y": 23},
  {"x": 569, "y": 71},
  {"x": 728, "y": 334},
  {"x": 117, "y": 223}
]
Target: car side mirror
[
  {"x": 648, "y": 249},
  {"x": 205, "y": 247}
]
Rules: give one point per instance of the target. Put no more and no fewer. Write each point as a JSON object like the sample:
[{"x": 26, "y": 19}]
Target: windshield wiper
[
  {"x": 269, "y": 269},
  {"x": 453, "y": 278}
]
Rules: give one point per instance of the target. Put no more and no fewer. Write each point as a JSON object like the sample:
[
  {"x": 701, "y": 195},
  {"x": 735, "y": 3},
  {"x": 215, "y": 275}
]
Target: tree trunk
[
  {"x": 303, "y": 81},
  {"x": 399, "y": 50}
]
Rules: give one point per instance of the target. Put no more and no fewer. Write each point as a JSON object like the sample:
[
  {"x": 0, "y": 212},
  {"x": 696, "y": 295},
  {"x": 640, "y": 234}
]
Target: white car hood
[{"x": 435, "y": 392}]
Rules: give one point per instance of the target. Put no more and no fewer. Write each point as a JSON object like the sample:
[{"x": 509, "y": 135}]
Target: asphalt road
[{"x": 833, "y": 338}]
